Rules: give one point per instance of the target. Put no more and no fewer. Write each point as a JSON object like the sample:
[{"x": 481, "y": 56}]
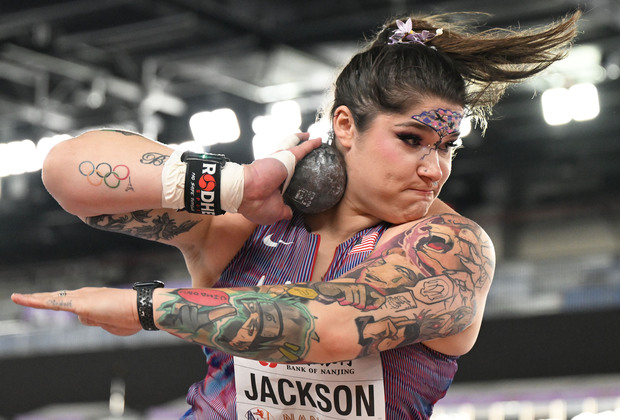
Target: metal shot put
[{"x": 319, "y": 181}]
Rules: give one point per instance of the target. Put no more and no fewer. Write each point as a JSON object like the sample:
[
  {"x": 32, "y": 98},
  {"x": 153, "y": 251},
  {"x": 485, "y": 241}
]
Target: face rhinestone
[{"x": 443, "y": 121}]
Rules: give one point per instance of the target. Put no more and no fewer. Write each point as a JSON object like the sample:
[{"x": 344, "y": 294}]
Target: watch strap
[{"x": 145, "y": 303}]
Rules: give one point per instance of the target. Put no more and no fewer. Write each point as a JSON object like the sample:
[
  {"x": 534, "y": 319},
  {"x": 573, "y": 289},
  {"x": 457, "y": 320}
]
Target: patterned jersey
[{"x": 415, "y": 376}]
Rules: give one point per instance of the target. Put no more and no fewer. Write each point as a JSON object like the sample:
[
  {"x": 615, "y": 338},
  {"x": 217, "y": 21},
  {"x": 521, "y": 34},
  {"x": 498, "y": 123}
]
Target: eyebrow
[{"x": 415, "y": 123}]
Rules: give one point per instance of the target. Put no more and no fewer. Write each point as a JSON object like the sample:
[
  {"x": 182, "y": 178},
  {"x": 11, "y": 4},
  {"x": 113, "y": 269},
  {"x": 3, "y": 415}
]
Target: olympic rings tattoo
[
  {"x": 62, "y": 293},
  {"x": 104, "y": 173}
]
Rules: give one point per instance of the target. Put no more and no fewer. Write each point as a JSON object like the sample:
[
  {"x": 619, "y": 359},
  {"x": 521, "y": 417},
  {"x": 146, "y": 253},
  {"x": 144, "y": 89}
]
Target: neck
[{"x": 340, "y": 222}]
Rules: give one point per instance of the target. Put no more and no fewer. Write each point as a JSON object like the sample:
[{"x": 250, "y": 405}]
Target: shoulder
[
  {"x": 440, "y": 233},
  {"x": 453, "y": 248}
]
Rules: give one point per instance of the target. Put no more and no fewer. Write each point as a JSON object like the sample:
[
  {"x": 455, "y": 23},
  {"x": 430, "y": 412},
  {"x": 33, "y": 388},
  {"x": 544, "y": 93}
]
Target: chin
[
  {"x": 419, "y": 211},
  {"x": 408, "y": 215}
]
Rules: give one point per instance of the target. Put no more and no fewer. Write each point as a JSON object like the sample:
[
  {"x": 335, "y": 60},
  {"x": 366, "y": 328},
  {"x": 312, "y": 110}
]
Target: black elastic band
[
  {"x": 145, "y": 303},
  {"x": 203, "y": 182}
]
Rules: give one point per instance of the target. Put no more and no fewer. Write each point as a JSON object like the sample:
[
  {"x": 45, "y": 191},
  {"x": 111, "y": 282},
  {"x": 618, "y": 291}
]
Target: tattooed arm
[
  {"x": 112, "y": 180},
  {"x": 118, "y": 172},
  {"x": 427, "y": 284},
  {"x": 205, "y": 257},
  {"x": 106, "y": 172}
]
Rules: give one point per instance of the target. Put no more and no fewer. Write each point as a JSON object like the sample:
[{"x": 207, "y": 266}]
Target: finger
[
  {"x": 361, "y": 299},
  {"x": 304, "y": 148},
  {"x": 302, "y": 136},
  {"x": 286, "y": 214},
  {"x": 348, "y": 298},
  {"x": 57, "y": 301},
  {"x": 289, "y": 141}
]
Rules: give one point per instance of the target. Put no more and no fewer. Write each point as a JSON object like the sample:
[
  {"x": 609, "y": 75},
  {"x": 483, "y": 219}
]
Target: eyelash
[
  {"x": 410, "y": 139},
  {"x": 414, "y": 140}
]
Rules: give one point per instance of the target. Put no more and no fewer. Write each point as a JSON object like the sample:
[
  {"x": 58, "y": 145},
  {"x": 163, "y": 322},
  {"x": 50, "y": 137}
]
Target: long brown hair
[{"x": 463, "y": 65}]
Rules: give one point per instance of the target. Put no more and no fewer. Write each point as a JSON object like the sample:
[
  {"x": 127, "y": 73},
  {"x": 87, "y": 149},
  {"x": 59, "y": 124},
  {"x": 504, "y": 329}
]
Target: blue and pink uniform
[{"x": 414, "y": 376}]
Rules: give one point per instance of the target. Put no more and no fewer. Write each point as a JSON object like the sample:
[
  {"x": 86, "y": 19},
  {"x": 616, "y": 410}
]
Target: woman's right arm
[
  {"x": 106, "y": 172},
  {"x": 112, "y": 180}
]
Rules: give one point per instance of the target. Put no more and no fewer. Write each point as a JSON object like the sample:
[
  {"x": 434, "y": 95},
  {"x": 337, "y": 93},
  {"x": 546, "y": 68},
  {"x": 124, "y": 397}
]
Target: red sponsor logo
[
  {"x": 270, "y": 364},
  {"x": 207, "y": 182},
  {"x": 203, "y": 297}
]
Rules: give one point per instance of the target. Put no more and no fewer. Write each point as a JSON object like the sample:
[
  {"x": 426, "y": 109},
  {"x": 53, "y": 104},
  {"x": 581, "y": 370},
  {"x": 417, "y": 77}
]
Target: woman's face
[{"x": 397, "y": 167}]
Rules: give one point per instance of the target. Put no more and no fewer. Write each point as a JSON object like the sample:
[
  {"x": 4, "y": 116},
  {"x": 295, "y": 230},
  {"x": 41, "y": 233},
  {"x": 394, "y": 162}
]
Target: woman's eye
[
  {"x": 410, "y": 139},
  {"x": 451, "y": 145}
]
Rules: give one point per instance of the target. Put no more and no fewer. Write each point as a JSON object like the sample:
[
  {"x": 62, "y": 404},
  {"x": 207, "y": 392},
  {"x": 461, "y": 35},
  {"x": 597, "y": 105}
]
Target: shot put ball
[{"x": 318, "y": 182}]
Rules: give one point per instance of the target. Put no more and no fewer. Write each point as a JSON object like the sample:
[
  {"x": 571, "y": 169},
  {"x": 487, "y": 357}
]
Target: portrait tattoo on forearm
[
  {"x": 264, "y": 326},
  {"x": 420, "y": 285},
  {"x": 142, "y": 224}
]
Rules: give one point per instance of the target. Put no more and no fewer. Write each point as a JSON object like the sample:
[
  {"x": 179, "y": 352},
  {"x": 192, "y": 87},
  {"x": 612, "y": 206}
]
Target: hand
[
  {"x": 262, "y": 198},
  {"x": 114, "y": 310},
  {"x": 360, "y": 296}
]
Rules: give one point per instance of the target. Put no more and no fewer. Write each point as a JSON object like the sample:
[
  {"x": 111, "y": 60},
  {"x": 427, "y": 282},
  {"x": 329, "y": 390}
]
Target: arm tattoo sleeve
[
  {"x": 422, "y": 284},
  {"x": 264, "y": 326},
  {"x": 142, "y": 224}
]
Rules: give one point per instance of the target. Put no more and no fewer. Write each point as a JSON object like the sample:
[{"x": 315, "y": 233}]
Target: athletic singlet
[{"x": 415, "y": 377}]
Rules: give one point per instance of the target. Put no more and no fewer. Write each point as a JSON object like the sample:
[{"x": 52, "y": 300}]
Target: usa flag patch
[{"x": 366, "y": 243}]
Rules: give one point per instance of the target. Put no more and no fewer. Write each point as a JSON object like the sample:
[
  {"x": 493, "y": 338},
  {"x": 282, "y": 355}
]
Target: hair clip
[{"x": 405, "y": 34}]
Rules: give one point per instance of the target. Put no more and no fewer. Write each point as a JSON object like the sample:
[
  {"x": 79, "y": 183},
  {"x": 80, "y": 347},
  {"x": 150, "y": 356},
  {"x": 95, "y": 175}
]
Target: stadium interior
[{"x": 543, "y": 184}]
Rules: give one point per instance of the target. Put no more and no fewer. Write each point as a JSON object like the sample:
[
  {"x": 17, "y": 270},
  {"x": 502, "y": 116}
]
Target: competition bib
[{"x": 316, "y": 391}]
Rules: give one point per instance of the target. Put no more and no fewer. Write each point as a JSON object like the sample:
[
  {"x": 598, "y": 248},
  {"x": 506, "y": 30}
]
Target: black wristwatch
[{"x": 145, "y": 302}]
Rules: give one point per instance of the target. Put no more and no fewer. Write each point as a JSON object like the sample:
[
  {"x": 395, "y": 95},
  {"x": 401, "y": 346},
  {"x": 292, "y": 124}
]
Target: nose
[{"x": 429, "y": 166}]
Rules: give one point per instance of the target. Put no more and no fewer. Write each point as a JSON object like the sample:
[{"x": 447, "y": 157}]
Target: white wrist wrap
[
  {"x": 288, "y": 160},
  {"x": 173, "y": 182},
  {"x": 232, "y": 180},
  {"x": 287, "y": 142}
]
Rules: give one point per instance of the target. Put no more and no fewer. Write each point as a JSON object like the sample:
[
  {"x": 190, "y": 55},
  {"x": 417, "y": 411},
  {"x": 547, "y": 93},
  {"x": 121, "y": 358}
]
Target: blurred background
[{"x": 229, "y": 76}]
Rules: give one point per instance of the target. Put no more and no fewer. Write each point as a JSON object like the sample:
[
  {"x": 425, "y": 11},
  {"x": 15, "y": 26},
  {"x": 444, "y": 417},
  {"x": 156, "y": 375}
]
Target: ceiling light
[
  {"x": 584, "y": 101},
  {"x": 270, "y": 130},
  {"x": 218, "y": 126},
  {"x": 556, "y": 106},
  {"x": 579, "y": 102}
]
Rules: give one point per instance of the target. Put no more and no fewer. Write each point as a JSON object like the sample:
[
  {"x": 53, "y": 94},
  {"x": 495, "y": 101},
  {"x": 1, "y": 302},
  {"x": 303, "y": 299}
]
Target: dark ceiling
[{"x": 66, "y": 66}]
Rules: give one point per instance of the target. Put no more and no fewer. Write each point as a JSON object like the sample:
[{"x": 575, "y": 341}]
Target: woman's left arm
[{"x": 427, "y": 283}]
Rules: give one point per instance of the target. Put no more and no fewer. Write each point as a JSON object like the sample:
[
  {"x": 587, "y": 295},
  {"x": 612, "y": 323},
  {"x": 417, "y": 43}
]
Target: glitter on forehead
[{"x": 443, "y": 121}]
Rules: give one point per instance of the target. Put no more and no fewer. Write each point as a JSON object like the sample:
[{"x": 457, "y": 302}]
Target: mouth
[
  {"x": 425, "y": 192},
  {"x": 374, "y": 278}
]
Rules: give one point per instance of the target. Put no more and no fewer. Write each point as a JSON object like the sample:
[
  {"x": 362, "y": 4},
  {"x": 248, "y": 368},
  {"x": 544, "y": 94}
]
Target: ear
[{"x": 344, "y": 126}]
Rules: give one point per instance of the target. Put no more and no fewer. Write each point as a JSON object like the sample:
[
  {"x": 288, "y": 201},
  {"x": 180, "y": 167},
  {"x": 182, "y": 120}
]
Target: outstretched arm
[{"x": 427, "y": 283}]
